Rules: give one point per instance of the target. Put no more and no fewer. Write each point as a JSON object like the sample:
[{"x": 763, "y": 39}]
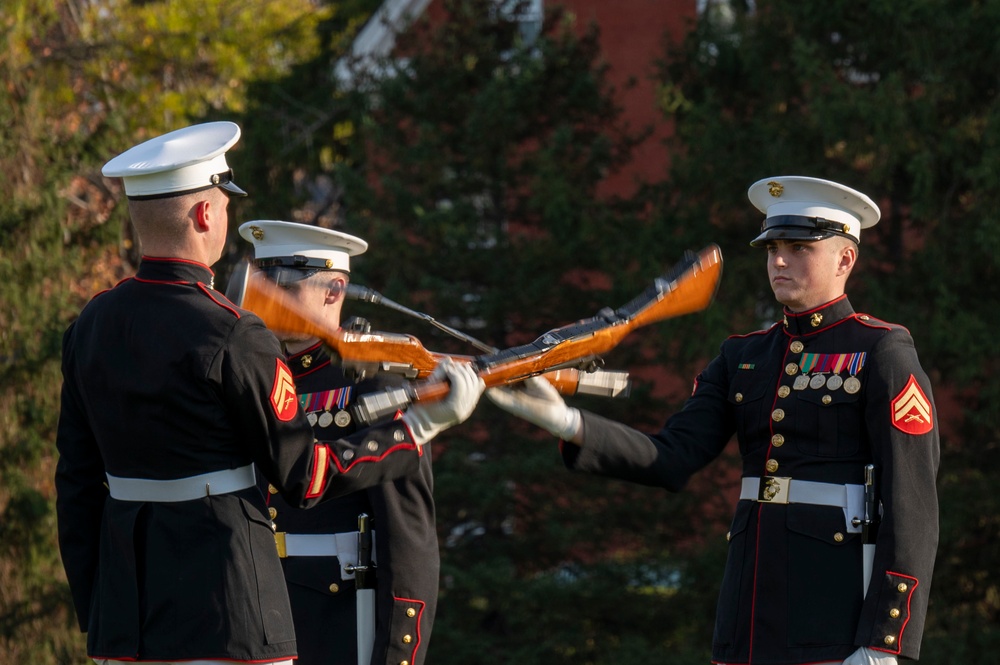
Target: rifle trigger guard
[
  {"x": 359, "y": 371},
  {"x": 358, "y": 325},
  {"x": 591, "y": 365}
]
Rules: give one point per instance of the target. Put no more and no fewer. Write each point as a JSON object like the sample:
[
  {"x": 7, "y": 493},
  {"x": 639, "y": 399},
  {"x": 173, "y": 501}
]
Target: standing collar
[
  {"x": 308, "y": 360},
  {"x": 158, "y": 269},
  {"x": 818, "y": 318}
]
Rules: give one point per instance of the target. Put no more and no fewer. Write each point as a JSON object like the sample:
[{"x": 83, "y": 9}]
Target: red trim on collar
[
  {"x": 819, "y": 330},
  {"x": 299, "y": 371},
  {"x": 312, "y": 368},
  {"x": 842, "y": 296},
  {"x": 311, "y": 349},
  {"x": 167, "y": 259},
  {"x": 161, "y": 281},
  {"x": 815, "y": 309}
]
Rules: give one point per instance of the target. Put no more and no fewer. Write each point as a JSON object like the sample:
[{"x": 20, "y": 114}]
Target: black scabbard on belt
[{"x": 344, "y": 546}]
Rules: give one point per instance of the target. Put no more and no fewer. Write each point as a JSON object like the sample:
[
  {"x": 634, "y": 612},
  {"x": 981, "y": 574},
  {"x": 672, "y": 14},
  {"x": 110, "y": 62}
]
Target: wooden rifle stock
[
  {"x": 558, "y": 354},
  {"x": 281, "y": 313},
  {"x": 689, "y": 287}
]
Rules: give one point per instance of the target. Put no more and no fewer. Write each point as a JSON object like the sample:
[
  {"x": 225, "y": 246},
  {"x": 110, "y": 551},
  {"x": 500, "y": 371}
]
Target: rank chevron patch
[
  {"x": 911, "y": 410},
  {"x": 283, "y": 397}
]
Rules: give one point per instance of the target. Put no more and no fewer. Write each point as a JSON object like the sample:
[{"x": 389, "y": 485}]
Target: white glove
[
  {"x": 541, "y": 404},
  {"x": 866, "y": 656},
  {"x": 428, "y": 420}
]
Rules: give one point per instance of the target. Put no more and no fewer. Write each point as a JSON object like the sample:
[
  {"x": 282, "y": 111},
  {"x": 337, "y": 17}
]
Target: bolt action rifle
[
  {"x": 688, "y": 287},
  {"x": 591, "y": 380}
]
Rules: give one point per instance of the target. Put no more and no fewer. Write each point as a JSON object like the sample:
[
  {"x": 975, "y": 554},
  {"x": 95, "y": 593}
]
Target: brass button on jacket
[
  {"x": 796, "y": 347},
  {"x": 771, "y": 466}
]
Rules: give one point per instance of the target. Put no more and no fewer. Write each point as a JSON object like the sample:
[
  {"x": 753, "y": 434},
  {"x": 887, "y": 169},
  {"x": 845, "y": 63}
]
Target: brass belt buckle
[
  {"x": 773, "y": 489},
  {"x": 279, "y": 540}
]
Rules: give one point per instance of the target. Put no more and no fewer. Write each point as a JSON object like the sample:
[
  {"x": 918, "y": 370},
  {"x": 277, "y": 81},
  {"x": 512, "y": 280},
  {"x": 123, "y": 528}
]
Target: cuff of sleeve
[
  {"x": 421, "y": 430},
  {"x": 570, "y": 425}
]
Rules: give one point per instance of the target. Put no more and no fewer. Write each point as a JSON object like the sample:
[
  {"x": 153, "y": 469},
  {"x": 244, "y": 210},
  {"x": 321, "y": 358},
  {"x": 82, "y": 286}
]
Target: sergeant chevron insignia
[
  {"x": 283, "y": 398},
  {"x": 911, "y": 410}
]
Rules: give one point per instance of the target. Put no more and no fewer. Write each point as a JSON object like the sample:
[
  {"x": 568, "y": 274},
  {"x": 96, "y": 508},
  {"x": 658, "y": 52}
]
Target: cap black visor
[{"x": 799, "y": 227}]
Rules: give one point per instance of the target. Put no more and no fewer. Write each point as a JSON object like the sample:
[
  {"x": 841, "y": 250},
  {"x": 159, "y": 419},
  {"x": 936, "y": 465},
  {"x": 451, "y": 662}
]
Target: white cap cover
[
  {"x": 184, "y": 160},
  {"x": 303, "y": 246},
  {"x": 799, "y": 207}
]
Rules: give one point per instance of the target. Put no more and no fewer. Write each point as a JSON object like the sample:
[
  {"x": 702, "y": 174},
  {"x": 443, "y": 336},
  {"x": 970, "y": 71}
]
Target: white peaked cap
[
  {"x": 184, "y": 160},
  {"x": 803, "y": 208},
  {"x": 304, "y": 246}
]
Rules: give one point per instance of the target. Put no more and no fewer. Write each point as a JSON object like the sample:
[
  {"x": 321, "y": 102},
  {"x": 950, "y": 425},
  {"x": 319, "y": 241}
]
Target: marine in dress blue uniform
[
  {"x": 322, "y": 593},
  {"x": 172, "y": 396},
  {"x": 812, "y": 400}
]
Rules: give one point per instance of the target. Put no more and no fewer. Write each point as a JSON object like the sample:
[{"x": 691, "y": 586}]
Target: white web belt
[
  {"x": 773, "y": 489},
  {"x": 182, "y": 489}
]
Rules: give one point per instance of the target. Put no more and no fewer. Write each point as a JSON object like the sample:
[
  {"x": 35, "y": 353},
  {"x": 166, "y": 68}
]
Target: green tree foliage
[
  {"x": 506, "y": 166},
  {"x": 290, "y": 125},
  {"x": 900, "y": 101},
  {"x": 83, "y": 80}
]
